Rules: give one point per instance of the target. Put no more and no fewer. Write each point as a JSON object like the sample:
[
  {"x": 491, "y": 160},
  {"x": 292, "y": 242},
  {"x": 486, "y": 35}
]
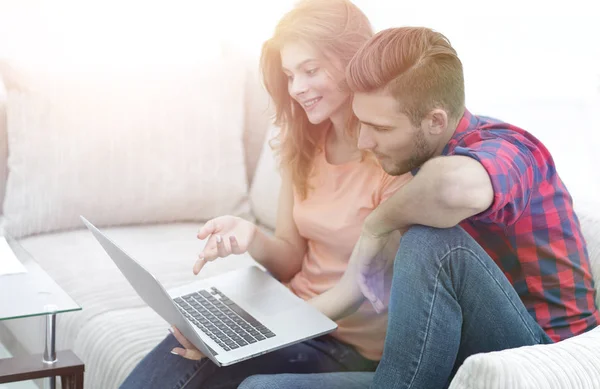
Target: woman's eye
[{"x": 312, "y": 71}]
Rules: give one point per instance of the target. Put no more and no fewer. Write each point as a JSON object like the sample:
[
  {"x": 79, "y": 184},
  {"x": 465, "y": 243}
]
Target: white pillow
[
  {"x": 264, "y": 193},
  {"x": 123, "y": 147},
  {"x": 571, "y": 364}
]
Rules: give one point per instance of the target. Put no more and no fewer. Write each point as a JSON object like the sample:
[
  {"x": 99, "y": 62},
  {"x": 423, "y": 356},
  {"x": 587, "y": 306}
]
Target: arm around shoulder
[{"x": 445, "y": 191}]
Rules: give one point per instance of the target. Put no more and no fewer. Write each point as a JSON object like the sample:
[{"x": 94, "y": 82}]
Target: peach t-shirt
[{"x": 330, "y": 219}]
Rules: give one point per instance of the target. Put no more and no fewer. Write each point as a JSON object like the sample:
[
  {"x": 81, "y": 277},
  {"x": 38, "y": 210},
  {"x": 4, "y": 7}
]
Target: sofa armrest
[{"x": 571, "y": 364}]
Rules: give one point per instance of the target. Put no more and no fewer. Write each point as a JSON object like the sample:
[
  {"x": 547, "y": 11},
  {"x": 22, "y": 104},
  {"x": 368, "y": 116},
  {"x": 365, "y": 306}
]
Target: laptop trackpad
[{"x": 272, "y": 304}]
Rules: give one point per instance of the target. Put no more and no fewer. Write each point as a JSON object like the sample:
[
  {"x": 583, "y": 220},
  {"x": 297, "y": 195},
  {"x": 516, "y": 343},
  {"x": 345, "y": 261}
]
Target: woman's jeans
[
  {"x": 162, "y": 370},
  {"x": 449, "y": 300}
]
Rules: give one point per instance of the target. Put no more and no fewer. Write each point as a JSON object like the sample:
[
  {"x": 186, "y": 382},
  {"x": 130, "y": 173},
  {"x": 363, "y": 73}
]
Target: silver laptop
[{"x": 231, "y": 317}]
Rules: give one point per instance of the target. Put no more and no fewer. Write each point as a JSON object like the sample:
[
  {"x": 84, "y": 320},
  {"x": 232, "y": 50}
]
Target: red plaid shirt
[{"x": 530, "y": 230}]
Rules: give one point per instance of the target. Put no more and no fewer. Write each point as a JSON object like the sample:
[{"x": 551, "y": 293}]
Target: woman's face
[{"x": 312, "y": 83}]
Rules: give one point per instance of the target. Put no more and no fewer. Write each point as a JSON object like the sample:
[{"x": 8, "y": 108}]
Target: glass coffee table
[{"x": 35, "y": 293}]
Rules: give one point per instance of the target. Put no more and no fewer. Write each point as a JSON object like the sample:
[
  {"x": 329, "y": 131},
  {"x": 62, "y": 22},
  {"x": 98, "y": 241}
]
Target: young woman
[{"x": 328, "y": 188}]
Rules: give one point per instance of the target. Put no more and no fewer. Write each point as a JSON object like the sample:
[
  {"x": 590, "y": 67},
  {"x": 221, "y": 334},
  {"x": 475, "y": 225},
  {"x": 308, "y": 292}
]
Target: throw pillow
[{"x": 121, "y": 147}]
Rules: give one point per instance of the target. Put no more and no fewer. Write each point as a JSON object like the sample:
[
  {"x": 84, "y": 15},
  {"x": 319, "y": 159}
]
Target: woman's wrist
[
  {"x": 256, "y": 245},
  {"x": 338, "y": 302}
]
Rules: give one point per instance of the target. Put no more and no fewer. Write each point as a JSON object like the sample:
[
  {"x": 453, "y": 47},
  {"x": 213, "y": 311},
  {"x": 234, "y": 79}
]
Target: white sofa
[{"x": 95, "y": 145}]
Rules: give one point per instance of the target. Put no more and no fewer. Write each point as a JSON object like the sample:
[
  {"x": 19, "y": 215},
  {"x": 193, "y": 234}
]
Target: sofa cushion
[
  {"x": 571, "y": 364},
  {"x": 264, "y": 192},
  {"x": 124, "y": 147},
  {"x": 115, "y": 328}
]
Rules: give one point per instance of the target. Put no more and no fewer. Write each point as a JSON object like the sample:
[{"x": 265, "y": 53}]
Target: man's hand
[
  {"x": 190, "y": 351},
  {"x": 373, "y": 261}
]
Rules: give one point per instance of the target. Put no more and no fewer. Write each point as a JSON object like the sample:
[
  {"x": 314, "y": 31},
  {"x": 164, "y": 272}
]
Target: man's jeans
[
  {"x": 449, "y": 300},
  {"x": 162, "y": 370}
]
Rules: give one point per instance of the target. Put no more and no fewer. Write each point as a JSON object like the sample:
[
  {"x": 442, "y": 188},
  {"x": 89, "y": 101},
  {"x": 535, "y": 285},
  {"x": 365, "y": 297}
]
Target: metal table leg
[{"x": 49, "y": 357}]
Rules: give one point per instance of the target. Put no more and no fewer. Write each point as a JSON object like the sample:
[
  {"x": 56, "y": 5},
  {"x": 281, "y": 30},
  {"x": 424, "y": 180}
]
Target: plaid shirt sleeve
[{"x": 512, "y": 173}]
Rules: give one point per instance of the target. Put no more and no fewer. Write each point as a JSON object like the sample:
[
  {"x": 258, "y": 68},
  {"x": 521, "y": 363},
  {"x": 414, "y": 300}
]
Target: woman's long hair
[{"x": 337, "y": 29}]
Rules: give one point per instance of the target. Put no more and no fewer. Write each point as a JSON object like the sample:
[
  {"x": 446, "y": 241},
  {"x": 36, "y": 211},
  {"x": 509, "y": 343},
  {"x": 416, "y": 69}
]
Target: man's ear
[{"x": 436, "y": 121}]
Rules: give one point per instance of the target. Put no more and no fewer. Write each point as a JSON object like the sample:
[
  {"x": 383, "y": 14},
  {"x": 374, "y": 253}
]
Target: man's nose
[{"x": 365, "y": 140}]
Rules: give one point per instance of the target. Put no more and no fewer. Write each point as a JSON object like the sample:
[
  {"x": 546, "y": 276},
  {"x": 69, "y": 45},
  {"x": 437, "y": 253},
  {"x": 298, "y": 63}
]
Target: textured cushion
[
  {"x": 124, "y": 148},
  {"x": 115, "y": 328},
  {"x": 264, "y": 193},
  {"x": 571, "y": 364}
]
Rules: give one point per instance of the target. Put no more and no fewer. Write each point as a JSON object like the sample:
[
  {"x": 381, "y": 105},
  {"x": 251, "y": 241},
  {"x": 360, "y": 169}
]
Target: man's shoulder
[{"x": 489, "y": 129}]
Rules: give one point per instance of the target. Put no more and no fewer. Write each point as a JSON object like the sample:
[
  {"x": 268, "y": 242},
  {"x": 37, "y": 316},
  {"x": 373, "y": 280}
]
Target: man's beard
[{"x": 421, "y": 153}]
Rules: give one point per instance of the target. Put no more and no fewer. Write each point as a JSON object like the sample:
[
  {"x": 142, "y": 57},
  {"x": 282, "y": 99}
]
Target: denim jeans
[
  {"x": 162, "y": 370},
  {"x": 449, "y": 300}
]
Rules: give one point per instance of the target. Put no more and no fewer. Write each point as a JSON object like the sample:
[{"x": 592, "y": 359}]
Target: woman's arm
[
  {"x": 282, "y": 253},
  {"x": 345, "y": 297}
]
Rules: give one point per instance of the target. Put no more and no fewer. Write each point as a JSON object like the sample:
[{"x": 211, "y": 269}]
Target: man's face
[{"x": 398, "y": 145}]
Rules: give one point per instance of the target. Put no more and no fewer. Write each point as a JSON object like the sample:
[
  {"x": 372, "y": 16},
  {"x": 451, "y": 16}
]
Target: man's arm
[{"x": 446, "y": 191}]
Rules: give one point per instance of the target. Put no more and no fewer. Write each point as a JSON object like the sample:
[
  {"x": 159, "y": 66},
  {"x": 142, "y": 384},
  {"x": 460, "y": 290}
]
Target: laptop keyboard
[{"x": 221, "y": 319}]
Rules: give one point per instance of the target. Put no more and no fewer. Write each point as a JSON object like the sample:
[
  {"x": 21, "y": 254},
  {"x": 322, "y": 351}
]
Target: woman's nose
[{"x": 298, "y": 87}]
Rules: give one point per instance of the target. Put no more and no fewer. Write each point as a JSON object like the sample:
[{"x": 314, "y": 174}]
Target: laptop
[{"x": 231, "y": 317}]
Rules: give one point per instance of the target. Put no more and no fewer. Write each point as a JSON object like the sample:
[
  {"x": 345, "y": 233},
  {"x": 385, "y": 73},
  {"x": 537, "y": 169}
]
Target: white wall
[
  {"x": 518, "y": 48},
  {"x": 531, "y": 62}
]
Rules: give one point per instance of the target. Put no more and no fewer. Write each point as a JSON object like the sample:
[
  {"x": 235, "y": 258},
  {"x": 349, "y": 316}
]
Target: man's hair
[{"x": 417, "y": 65}]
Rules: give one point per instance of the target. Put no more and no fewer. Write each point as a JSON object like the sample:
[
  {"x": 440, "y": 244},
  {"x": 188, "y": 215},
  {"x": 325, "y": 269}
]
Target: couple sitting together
[{"x": 427, "y": 233}]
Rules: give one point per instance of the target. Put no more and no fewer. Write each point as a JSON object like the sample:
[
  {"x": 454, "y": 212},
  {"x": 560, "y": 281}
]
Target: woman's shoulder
[{"x": 391, "y": 184}]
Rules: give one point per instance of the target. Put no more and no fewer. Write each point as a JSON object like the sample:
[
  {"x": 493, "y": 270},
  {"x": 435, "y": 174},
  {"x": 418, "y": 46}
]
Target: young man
[{"x": 492, "y": 256}]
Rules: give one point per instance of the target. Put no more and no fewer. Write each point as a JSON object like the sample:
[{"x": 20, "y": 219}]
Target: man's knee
[
  {"x": 421, "y": 236},
  {"x": 424, "y": 246},
  {"x": 254, "y": 382}
]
